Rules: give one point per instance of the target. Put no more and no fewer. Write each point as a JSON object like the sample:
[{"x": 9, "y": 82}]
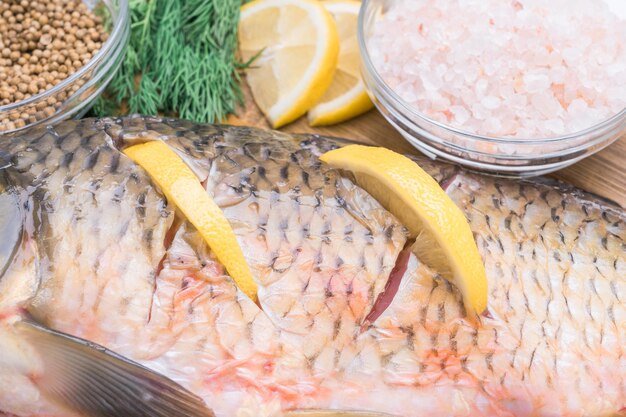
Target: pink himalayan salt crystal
[{"x": 510, "y": 68}]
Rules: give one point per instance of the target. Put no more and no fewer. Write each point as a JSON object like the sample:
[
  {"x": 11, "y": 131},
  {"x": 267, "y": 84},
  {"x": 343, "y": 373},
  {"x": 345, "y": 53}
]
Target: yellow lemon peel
[
  {"x": 183, "y": 189},
  {"x": 444, "y": 240}
]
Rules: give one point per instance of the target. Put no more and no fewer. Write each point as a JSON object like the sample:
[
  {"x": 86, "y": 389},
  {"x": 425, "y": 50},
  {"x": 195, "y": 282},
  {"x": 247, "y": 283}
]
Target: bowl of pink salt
[{"x": 514, "y": 87}]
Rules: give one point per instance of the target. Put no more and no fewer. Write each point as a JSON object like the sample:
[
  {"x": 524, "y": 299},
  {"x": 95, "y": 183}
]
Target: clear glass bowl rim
[
  {"x": 380, "y": 83},
  {"x": 110, "y": 44}
]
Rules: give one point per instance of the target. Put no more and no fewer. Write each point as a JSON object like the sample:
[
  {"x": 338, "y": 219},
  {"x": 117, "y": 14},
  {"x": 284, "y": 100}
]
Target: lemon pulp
[
  {"x": 346, "y": 97},
  {"x": 298, "y": 45}
]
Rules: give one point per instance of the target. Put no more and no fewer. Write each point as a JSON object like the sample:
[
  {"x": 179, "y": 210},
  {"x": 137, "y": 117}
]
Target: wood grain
[{"x": 603, "y": 174}]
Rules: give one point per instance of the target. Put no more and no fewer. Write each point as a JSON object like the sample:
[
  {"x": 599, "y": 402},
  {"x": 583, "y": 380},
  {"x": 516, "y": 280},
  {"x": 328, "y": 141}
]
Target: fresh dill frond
[
  {"x": 148, "y": 100},
  {"x": 180, "y": 60},
  {"x": 104, "y": 106}
]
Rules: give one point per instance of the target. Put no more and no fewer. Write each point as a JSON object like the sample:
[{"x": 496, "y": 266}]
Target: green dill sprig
[{"x": 180, "y": 60}]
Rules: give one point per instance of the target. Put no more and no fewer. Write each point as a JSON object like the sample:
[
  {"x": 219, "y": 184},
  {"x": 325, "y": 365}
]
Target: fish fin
[{"x": 95, "y": 382}]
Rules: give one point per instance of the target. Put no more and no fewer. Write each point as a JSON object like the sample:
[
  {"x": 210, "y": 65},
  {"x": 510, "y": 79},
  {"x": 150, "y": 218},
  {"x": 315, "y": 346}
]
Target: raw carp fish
[{"x": 91, "y": 248}]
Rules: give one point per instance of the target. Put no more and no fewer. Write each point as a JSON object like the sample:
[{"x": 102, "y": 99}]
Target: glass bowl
[
  {"x": 75, "y": 95},
  {"x": 512, "y": 157}
]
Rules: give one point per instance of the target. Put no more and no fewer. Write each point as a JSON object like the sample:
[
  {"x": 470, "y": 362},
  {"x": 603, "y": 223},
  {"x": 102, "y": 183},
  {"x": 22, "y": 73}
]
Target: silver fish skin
[{"x": 104, "y": 257}]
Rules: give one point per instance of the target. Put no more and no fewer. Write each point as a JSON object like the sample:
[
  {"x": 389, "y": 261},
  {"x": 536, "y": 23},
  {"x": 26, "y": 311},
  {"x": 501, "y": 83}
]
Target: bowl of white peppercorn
[{"x": 56, "y": 58}]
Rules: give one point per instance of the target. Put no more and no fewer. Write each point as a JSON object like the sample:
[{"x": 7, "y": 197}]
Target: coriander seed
[{"x": 42, "y": 42}]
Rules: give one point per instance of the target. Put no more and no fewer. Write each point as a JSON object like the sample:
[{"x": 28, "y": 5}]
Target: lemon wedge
[
  {"x": 443, "y": 238},
  {"x": 346, "y": 97},
  {"x": 298, "y": 45},
  {"x": 183, "y": 188}
]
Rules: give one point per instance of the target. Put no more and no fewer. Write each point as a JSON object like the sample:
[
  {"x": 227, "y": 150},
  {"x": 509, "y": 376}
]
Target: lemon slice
[
  {"x": 298, "y": 45},
  {"x": 183, "y": 188},
  {"x": 346, "y": 97},
  {"x": 443, "y": 238}
]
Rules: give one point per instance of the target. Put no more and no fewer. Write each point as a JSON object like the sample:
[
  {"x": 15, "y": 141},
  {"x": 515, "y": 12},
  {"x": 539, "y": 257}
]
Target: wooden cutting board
[{"x": 603, "y": 173}]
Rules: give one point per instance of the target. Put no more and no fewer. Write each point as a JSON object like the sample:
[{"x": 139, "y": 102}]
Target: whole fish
[{"x": 91, "y": 248}]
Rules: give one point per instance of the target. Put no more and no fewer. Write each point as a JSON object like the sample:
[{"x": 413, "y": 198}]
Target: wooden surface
[{"x": 603, "y": 173}]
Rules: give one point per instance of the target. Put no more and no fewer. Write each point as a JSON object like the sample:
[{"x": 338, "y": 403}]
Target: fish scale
[
  {"x": 81, "y": 218},
  {"x": 250, "y": 183},
  {"x": 321, "y": 250}
]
